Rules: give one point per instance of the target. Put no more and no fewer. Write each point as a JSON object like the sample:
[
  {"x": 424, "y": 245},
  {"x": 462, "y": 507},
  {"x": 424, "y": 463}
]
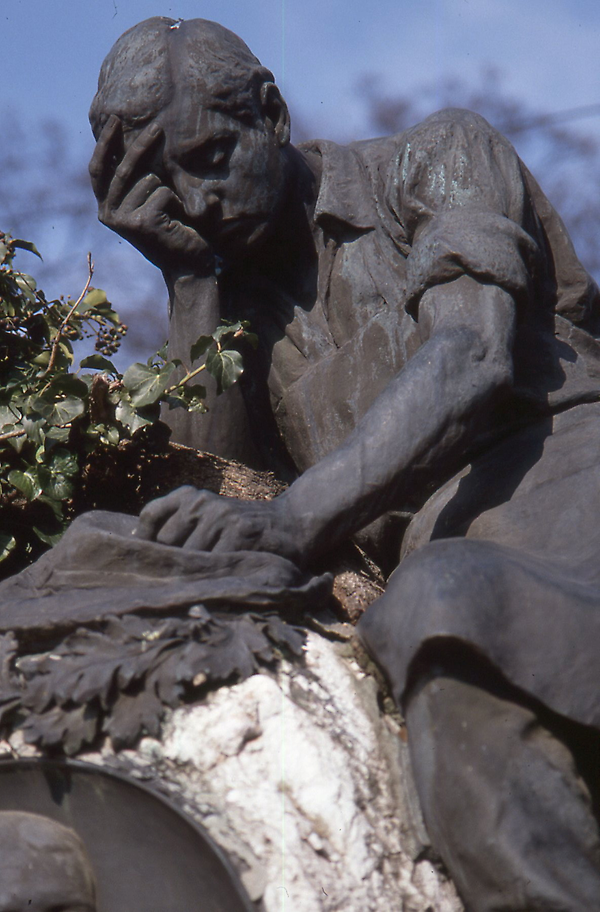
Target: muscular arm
[{"x": 425, "y": 416}]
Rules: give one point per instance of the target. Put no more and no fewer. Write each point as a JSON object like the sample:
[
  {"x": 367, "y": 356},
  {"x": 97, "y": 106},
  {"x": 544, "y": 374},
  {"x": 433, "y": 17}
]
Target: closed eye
[{"x": 211, "y": 159}]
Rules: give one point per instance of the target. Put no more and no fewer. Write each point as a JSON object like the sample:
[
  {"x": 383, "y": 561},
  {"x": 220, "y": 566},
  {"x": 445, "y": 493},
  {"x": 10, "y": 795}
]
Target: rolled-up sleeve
[{"x": 459, "y": 190}]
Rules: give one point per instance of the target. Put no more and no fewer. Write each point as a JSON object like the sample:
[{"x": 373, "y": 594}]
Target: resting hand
[
  {"x": 139, "y": 207},
  {"x": 201, "y": 521}
]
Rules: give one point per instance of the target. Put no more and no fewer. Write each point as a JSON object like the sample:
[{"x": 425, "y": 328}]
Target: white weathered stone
[{"x": 304, "y": 783}]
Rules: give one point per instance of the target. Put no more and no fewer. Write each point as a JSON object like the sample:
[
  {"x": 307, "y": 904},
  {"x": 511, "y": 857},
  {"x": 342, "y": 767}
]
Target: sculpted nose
[{"x": 199, "y": 203}]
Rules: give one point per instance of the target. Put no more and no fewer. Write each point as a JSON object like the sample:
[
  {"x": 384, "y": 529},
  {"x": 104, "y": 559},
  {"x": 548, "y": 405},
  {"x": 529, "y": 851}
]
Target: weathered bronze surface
[
  {"x": 427, "y": 348},
  {"x": 43, "y": 866},
  {"x": 77, "y": 837}
]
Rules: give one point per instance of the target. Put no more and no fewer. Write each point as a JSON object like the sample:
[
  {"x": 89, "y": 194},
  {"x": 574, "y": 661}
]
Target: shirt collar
[{"x": 345, "y": 192}]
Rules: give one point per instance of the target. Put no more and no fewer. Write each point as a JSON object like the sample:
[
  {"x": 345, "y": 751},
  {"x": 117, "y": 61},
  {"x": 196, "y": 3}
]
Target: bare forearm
[{"x": 423, "y": 420}]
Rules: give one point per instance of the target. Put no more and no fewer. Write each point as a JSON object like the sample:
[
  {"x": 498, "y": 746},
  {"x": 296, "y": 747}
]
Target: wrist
[
  {"x": 299, "y": 525},
  {"x": 183, "y": 275},
  {"x": 193, "y": 293}
]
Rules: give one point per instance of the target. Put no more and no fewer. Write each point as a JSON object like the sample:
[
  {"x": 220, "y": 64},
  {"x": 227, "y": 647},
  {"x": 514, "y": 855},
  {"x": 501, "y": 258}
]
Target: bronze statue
[
  {"x": 78, "y": 837},
  {"x": 43, "y": 866},
  {"x": 427, "y": 346}
]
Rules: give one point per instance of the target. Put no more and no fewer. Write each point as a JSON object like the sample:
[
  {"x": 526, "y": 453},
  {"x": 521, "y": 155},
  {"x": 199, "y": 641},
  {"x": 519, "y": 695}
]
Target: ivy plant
[{"x": 53, "y": 414}]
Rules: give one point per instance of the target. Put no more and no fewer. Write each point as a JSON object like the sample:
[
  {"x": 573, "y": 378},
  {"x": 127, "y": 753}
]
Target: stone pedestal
[{"x": 304, "y": 782}]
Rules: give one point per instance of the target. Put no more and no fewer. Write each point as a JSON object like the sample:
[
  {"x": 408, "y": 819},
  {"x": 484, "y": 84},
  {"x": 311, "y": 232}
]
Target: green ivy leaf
[
  {"x": 66, "y": 410},
  {"x": 55, "y": 485},
  {"x": 7, "y": 544},
  {"x": 200, "y": 347},
  {"x": 194, "y": 391},
  {"x": 8, "y": 417},
  {"x": 26, "y": 245},
  {"x": 94, "y": 299},
  {"x": 111, "y": 436},
  {"x": 195, "y": 404},
  {"x": 162, "y": 352},
  {"x": 98, "y": 362},
  {"x": 64, "y": 462},
  {"x": 42, "y": 360},
  {"x": 190, "y": 397},
  {"x": 48, "y": 539},
  {"x": 27, "y": 285},
  {"x": 60, "y": 411},
  {"x": 17, "y": 443},
  {"x": 145, "y": 385},
  {"x": 67, "y": 351},
  {"x": 226, "y": 367},
  {"x": 58, "y": 434},
  {"x": 127, "y": 415},
  {"x": 227, "y": 329},
  {"x": 34, "y": 428},
  {"x": 26, "y": 482},
  {"x": 69, "y": 384}
]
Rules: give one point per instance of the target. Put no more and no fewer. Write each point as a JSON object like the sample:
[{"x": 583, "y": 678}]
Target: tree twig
[
  {"x": 193, "y": 373},
  {"x": 185, "y": 379},
  {"x": 10, "y": 434},
  {"x": 65, "y": 322}
]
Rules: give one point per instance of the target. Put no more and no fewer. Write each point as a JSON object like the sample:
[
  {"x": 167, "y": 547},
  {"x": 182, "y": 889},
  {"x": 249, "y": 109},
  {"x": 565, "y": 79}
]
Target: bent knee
[
  {"x": 430, "y": 588},
  {"x": 449, "y": 571}
]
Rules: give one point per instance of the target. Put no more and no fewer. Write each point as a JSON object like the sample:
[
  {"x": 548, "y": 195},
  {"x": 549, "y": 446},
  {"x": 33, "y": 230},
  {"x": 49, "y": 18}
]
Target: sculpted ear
[{"x": 276, "y": 111}]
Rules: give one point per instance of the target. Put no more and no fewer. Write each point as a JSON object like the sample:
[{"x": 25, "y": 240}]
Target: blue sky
[
  {"x": 548, "y": 50},
  {"x": 50, "y": 52}
]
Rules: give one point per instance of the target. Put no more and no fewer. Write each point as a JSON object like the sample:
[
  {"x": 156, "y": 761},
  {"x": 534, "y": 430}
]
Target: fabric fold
[{"x": 99, "y": 569}]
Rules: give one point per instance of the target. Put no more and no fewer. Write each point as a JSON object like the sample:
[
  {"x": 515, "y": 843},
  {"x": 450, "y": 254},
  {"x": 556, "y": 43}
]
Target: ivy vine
[{"x": 53, "y": 415}]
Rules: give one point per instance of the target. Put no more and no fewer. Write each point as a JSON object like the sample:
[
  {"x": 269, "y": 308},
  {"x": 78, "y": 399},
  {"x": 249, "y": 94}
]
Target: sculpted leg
[
  {"x": 505, "y": 783},
  {"x": 502, "y": 799}
]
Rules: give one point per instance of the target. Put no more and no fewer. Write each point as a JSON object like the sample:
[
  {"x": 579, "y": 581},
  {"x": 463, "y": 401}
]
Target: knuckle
[
  {"x": 149, "y": 511},
  {"x": 122, "y": 171},
  {"x": 185, "y": 491}
]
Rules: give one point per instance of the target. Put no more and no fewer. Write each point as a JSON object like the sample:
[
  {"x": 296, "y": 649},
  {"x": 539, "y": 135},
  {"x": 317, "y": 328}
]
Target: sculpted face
[
  {"x": 43, "y": 867},
  {"x": 191, "y": 143},
  {"x": 230, "y": 176}
]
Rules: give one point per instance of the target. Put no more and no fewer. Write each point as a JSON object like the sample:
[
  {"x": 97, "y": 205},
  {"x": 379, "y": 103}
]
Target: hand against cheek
[
  {"x": 139, "y": 207},
  {"x": 202, "y": 521}
]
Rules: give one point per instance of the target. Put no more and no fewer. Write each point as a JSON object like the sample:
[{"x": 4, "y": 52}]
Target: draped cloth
[
  {"x": 394, "y": 218},
  {"x": 100, "y": 569},
  {"x": 503, "y": 560}
]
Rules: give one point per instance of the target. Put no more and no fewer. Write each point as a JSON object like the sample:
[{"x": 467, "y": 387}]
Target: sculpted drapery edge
[{"x": 421, "y": 312}]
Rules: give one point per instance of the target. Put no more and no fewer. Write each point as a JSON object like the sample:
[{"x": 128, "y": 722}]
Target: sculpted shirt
[{"x": 395, "y": 217}]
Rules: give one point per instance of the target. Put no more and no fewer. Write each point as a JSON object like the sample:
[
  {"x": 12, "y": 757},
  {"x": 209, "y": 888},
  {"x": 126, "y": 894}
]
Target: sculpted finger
[
  {"x": 211, "y": 520},
  {"x": 141, "y": 193},
  {"x": 177, "y": 529},
  {"x": 157, "y": 512},
  {"x": 239, "y": 535},
  {"x": 108, "y": 151},
  {"x": 125, "y": 172},
  {"x": 203, "y": 537}
]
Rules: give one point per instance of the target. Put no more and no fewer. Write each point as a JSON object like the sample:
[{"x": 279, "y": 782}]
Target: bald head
[
  {"x": 139, "y": 77},
  {"x": 43, "y": 866}
]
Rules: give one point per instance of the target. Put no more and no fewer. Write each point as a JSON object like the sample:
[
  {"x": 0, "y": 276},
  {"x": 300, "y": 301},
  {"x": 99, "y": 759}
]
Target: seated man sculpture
[
  {"x": 43, "y": 866},
  {"x": 426, "y": 344}
]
